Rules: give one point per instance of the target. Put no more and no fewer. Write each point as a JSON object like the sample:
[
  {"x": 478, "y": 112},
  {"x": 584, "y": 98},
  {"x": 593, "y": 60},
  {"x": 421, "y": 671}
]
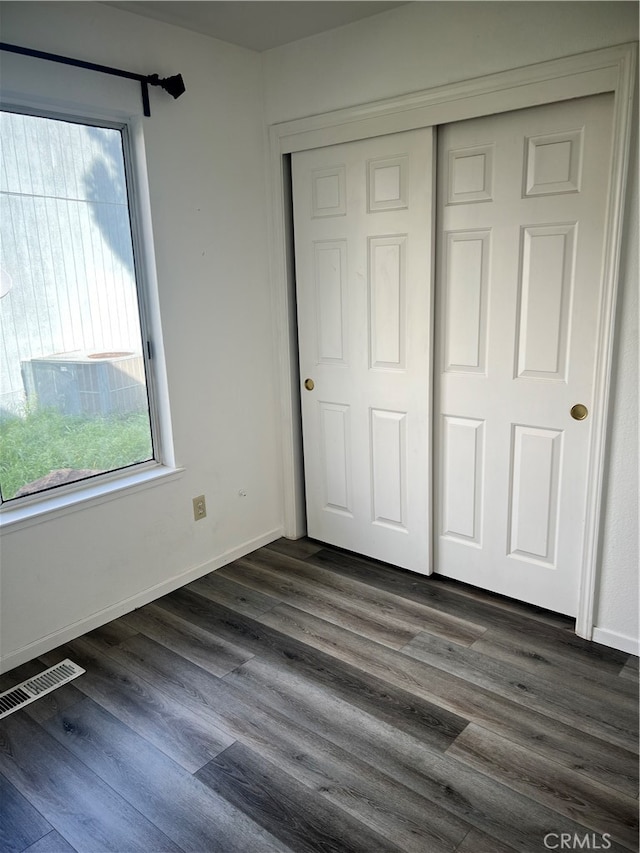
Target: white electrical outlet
[{"x": 199, "y": 508}]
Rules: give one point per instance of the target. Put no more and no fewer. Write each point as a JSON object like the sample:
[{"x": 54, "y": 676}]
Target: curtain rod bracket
[{"x": 173, "y": 85}]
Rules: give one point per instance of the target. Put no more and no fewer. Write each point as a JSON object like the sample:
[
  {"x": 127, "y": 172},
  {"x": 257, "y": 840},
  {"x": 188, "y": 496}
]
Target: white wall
[
  {"x": 423, "y": 45},
  {"x": 617, "y": 604},
  {"x": 205, "y": 160}
]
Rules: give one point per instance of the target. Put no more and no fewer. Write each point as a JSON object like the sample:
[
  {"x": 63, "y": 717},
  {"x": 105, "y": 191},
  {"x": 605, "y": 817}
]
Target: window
[{"x": 74, "y": 397}]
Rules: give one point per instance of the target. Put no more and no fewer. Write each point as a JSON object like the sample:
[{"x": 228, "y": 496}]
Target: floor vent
[{"x": 33, "y": 688}]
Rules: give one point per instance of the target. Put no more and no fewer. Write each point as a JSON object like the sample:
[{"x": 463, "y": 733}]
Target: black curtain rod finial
[{"x": 173, "y": 85}]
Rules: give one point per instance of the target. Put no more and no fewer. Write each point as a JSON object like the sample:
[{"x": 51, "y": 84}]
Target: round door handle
[
  {"x": 579, "y": 412},
  {"x": 309, "y": 384}
]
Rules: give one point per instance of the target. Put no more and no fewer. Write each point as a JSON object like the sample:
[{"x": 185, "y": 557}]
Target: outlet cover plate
[{"x": 199, "y": 508}]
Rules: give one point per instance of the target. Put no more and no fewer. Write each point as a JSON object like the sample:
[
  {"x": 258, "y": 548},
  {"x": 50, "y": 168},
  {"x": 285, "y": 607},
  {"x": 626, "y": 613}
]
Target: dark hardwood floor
[{"x": 303, "y": 699}]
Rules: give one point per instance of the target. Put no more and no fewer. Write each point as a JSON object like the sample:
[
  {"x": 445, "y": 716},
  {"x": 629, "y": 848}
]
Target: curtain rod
[{"x": 173, "y": 85}]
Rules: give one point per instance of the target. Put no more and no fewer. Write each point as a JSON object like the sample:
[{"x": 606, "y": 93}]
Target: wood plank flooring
[{"x": 304, "y": 699}]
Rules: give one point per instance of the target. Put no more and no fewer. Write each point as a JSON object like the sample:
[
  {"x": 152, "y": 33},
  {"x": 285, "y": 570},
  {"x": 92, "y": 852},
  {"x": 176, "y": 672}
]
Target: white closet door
[
  {"x": 363, "y": 242},
  {"x": 521, "y": 201}
]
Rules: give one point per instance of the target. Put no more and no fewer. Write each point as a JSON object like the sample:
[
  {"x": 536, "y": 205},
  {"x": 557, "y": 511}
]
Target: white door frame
[{"x": 606, "y": 70}]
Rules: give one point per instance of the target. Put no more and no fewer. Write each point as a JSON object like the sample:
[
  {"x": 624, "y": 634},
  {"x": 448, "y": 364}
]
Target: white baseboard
[
  {"x": 70, "y": 632},
  {"x": 616, "y": 641}
]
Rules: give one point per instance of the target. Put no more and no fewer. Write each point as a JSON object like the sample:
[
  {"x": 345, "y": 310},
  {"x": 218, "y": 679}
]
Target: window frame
[{"x": 59, "y": 500}]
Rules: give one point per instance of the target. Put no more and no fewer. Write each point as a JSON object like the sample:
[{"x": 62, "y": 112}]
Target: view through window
[{"x": 73, "y": 392}]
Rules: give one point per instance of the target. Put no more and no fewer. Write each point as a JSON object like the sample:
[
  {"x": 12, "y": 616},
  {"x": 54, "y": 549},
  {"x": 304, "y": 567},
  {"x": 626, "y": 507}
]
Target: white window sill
[{"x": 80, "y": 497}]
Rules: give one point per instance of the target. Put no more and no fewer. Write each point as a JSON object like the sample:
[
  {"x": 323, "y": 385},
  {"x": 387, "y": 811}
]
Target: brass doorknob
[
  {"x": 579, "y": 412},
  {"x": 309, "y": 384}
]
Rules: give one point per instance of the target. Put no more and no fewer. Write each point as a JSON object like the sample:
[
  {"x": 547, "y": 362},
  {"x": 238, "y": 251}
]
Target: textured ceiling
[{"x": 257, "y": 25}]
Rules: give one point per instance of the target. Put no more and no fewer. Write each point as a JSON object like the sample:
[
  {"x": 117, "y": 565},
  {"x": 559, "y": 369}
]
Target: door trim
[{"x": 595, "y": 72}]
